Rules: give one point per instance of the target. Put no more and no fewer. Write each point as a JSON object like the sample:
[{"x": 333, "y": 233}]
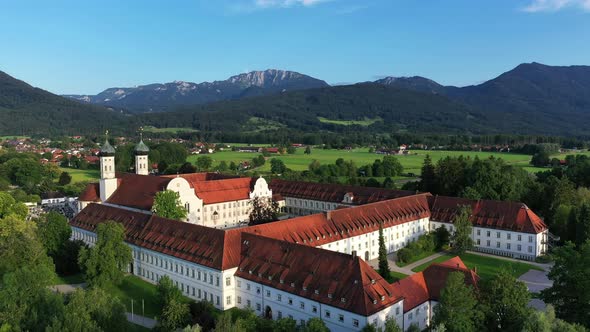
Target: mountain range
[
  {"x": 168, "y": 96},
  {"x": 530, "y": 99}
]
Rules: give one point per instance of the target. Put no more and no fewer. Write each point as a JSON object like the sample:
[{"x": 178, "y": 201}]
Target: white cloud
[
  {"x": 554, "y": 5},
  {"x": 286, "y": 3}
]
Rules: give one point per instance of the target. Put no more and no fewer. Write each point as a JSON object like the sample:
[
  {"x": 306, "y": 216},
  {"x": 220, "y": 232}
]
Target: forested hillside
[{"x": 25, "y": 110}]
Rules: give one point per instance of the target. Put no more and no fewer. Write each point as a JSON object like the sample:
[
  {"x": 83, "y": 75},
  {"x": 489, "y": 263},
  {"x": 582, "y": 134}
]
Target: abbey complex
[{"x": 313, "y": 263}]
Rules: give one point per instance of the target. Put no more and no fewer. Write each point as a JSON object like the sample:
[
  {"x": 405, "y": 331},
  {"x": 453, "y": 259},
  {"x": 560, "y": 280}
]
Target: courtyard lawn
[
  {"x": 133, "y": 288},
  {"x": 486, "y": 266},
  {"x": 395, "y": 276},
  {"x": 416, "y": 258},
  {"x": 73, "y": 279},
  {"x": 82, "y": 175}
]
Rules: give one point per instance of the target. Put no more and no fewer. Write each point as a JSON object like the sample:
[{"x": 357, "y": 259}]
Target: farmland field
[
  {"x": 169, "y": 130},
  {"x": 412, "y": 162}
]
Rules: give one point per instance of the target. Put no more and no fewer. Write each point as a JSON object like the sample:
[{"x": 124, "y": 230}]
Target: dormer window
[
  {"x": 317, "y": 292},
  {"x": 292, "y": 284},
  {"x": 329, "y": 295},
  {"x": 382, "y": 298},
  {"x": 282, "y": 281},
  {"x": 374, "y": 301},
  {"x": 372, "y": 281},
  {"x": 343, "y": 300},
  {"x": 304, "y": 288}
]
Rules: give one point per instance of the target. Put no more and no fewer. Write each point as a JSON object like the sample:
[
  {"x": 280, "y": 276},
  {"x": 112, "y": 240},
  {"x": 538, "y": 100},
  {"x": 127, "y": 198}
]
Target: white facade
[
  {"x": 217, "y": 215},
  {"x": 108, "y": 181},
  {"x": 274, "y": 303},
  {"x": 141, "y": 165},
  {"x": 500, "y": 242}
]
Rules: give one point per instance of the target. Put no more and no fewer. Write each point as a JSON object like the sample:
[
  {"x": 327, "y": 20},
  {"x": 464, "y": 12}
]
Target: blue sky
[{"x": 86, "y": 46}]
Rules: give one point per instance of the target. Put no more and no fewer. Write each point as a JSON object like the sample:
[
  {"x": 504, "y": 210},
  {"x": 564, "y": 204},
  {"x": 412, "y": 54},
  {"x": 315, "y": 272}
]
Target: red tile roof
[
  {"x": 322, "y": 228},
  {"x": 347, "y": 282},
  {"x": 206, "y": 246},
  {"x": 91, "y": 193},
  {"x": 137, "y": 191},
  {"x": 218, "y": 191},
  {"x": 511, "y": 216},
  {"x": 334, "y": 192},
  {"x": 428, "y": 284}
]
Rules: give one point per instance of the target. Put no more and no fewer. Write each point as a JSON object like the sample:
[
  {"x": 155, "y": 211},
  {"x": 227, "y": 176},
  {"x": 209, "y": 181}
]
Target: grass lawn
[
  {"x": 365, "y": 122},
  {"x": 73, "y": 279},
  {"x": 133, "y": 288},
  {"x": 412, "y": 163},
  {"x": 82, "y": 175},
  {"x": 487, "y": 267},
  {"x": 395, "y": 276},
  {"x": 172, "y": 130},
  {"x": 417, "y": 258}
]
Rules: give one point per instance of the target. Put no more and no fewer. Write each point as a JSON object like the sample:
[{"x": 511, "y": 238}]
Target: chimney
[{"x": 353, "y": 254}]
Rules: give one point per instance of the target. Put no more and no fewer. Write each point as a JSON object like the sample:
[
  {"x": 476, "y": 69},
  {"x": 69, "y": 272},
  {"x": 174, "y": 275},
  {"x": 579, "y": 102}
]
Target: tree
[
  {"x": 457, "y": 307},
  {"x": 582, "y": 227},
  {"x": 383, "y": 262},
  {"x": 541, "y": 159},
  {"x": 369, "y": 328},
  {"x": 277, "y": 166},
  {"x": 223, "y": 167},
  {"x": 103, "y": 264},
  {"x": 285, "y": 324},
  {"x": 462, "y": 237},
  {"x": 54, "y": 232},
  {"x": 167, "y": 204},
  {"x": 263, "y": 211},
  {"x": 506, "y": 303},
  {"x": 545, "y": 321},
  {"x": 571, "y": 283},
  {"x": 167, "y": 291},
  {"x": 187, "y": 168},
  {"x": 388, "y": 183},
  {"x": 204, "y": 163},
  {"x": 8, "y": 206},
  {"x": 307, "y": 150},
  {"x": 175, "y": 314},
  {"x": 391, "y": 325},
  {"x": 291, "y": 149},
  {"x": 315, "y": 325},
  {"x": 226, "y": 324},
  {"x": 64, "y": 178},
  {"x": 442, "y": 237},
  {"x": 91, "y": 310}
]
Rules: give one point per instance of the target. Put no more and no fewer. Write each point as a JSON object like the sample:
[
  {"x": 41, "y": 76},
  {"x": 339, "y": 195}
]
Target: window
[
  {"x": 248, "y": 303},
  {"x": 530, "y": 239},
  {"x": 341, "y": 318},
  {"x": 498, "y": 235},
  {"x": 519, "y": 237},
  {"x": 258, "y": 307},
  {"x": 301, "y": 305},
  {"x": 211, "y": 279},
  {"x": 397, "y": 311},
  {"x": 488, "y": 243},
  {"x": 327, "y": 314},
  {"x": 314, "y": 309},
  {"x": 239, "y": 299},
  {"x": 488, "y": 233},
  {"x": 228, "y": 300},
  {"x": 478, "y": 232},
  {"x": 478, "y": 242},
  {"x": 508, "y": 246},
  {"x": 290, "y": 301},
  {"x": 498, "y": 244},
  {"x": 509, "y": 236},
  {"x": 279, "y": 297},
  {"x": 199, "y": 293},
  {"x": 530, "y": 249},
  {"x": 280, "y": 315},
  {"x": 216, "y": 281},
  {"x": 355, "y": 322},
  {"x": 239, "y": 283},
  {"x": 267, "y": 293},
  {"x": 247, "y": 286},
  {"x": 217, "y": 300},
  {"x": 411, "y": 315},
  {"x": 519, "y": 247},
  {"x": 257, "y": 290},
  {"x": 228, "y": 281}
]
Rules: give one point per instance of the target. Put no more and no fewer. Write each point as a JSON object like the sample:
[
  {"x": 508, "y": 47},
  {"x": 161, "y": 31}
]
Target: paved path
[
  {"x": 141, "y": 320},
  {"x": 408, "y": 268},
  {"x": 67, "y": 288}
]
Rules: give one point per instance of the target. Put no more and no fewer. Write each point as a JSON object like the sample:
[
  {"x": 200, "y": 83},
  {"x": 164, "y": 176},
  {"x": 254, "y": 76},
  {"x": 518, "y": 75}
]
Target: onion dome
[
  {"x": 141, "y": 149},
  {"x": 107, "y": 149}
]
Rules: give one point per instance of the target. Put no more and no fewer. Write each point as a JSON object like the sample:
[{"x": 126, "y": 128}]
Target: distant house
[
  {"x": 252, "y": 149},
  {"x": 272, "y": 150}
]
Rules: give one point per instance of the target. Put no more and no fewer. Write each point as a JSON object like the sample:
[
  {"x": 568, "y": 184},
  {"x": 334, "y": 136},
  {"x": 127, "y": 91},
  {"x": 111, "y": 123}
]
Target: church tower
[
  {"x": 141, "y": 156},
  {"x": 108, "y": 180}
]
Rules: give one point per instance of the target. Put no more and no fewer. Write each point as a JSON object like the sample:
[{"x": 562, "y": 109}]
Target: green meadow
[{"x": 411, "y": 162}]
